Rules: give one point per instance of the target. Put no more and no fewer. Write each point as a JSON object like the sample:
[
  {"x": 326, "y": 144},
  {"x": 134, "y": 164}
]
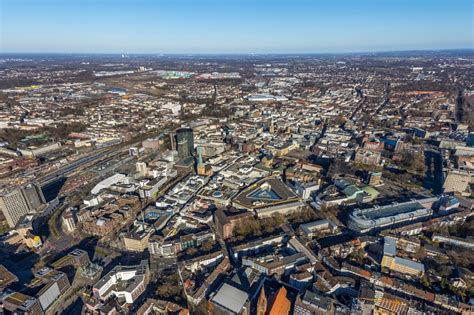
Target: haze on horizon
[{"x": 232, "y": 26}]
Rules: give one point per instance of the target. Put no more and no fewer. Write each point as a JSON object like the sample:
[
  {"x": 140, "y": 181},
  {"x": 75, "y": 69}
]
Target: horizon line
[{"x": 241, "y": 53}]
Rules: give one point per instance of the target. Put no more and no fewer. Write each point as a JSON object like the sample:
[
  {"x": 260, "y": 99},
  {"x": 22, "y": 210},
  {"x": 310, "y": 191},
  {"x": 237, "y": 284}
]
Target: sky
[{"x": 234, "y": 26}]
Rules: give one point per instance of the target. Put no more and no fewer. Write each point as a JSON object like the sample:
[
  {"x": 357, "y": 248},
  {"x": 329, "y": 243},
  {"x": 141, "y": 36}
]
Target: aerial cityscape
[{"x": 247, "y": 181}]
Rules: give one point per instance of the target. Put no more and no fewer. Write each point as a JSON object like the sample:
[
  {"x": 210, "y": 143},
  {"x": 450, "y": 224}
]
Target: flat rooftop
[
  {"x": 231, "y": 298},
  {"x": 391, "y": 210}
]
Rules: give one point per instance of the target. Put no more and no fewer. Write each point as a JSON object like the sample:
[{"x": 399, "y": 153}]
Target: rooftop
[
  {"x": 265, "y": 192},
  {"x": 230, "y": 297}
]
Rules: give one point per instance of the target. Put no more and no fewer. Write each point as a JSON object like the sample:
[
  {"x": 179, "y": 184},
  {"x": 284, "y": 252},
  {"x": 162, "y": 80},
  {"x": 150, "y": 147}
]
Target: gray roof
[
  {"x": 230, "y": 297},
  {"x": 410, "y": 264},
  {"x": 390, "y": 246},
  {"x": 315, "y": 300}
]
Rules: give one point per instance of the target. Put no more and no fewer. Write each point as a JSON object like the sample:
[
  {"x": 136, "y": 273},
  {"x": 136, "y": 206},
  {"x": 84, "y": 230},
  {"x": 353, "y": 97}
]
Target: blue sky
[{"x": 234, "y": 26}]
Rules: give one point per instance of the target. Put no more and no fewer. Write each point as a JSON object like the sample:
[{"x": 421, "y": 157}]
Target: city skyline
[
  {"x": 236, "y": 157},
  {"x": 240, "y": 27}
]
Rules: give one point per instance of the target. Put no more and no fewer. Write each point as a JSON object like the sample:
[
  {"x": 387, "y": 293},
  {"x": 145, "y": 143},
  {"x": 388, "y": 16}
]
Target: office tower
[
  {"x": 183, "y": 150},
  {"x": 16, "y": 202},
  {"x": 13, "y": 206},
  {"x": 186, "y": 138}
]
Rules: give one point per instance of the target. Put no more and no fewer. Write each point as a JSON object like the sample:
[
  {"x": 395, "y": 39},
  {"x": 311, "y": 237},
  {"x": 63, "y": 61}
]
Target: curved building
[{"x": 364, "y": 220}]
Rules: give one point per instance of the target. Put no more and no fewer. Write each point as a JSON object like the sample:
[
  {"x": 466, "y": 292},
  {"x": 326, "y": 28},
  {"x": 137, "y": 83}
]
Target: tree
[
  {"x": 169, "y": 287},
  {"x": 412, "y": 161},
  {"x": 208, "y": 245},
  {"x": 425, "y": 282}
]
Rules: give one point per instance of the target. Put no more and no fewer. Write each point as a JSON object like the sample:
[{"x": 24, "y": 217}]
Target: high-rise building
[
  {"x": 13, "y": 206},
  {"x": 19, "y": 201},
  {"x": 185, "y": 137},
  {"x": 183, "y": 151}
]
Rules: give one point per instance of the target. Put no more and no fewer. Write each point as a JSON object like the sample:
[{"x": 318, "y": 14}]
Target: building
[
  {"x": 267, "y": 197},
  {"x": 185, "y": 142},
  {"x": 153, "y": 143},
  {"x": 137, "y": 239},
  {"x": 273, "y": 264},
  {"x": 229, "y": 300},
  {"x": 33, "y": 195},
  {"x": 91, "y": 271},
  {"x": 158, "y": 247},
  {"x": 312, "y": 303},
  {"x": 35, "y": 152},
  {"x": 6, "y": 278},
  {"x": 399, "y": 264},
  {"x": 305, "y": 190},
  {"x": 19, "y": 201},
  {"x": 79, "y": 257},
  {"x": 201, "y": 168},
  {"x": 13, "y": 206},
  {"x": 374, "y": 178},
  {"x": 25, "y": 229},
  {"x": 19, "y": 303},
  {"x": 11, "y": 241},
  {"x": 106, "y": 183},
  {"x": 101, "y": 226},
  {"x": 69, "y": 220},
  {"x": 367, "y": 157},
  {"x": 373, "y": 145},
  {"x": 459, "y": 182},
  {"x": 182, "y": 147},
  {"x": 53, "y": 285},
  {"x": 317, "y": 228},
  {"x": 456, "y": 241},
  {"x": 364, "y": 220},
  {"x": 227, "y": 220},
  {"x": 150, "y": 187},
  {"x": 279, "y": 304},
  {"x": 160, "y": 307},
  {"x": 141, "y": 168},
  {"x": 127, "y": 282}
]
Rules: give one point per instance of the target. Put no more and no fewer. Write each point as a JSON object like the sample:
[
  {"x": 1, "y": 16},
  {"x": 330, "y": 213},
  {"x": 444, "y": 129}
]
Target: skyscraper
[
  {"x": 185, "y": 142},
  {"x": 183, "y": 150}
]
